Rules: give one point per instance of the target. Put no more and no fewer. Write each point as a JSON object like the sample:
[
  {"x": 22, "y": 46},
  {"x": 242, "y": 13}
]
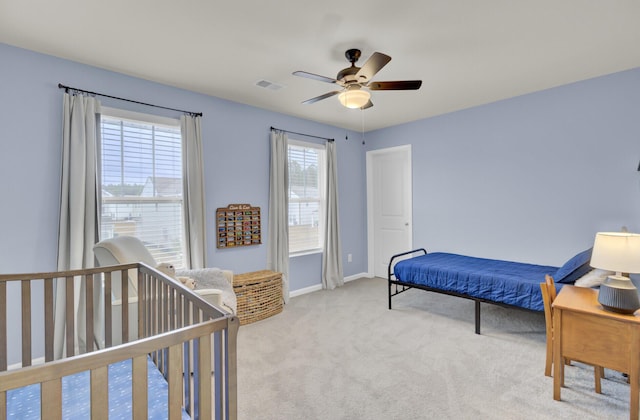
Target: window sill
[{"x": 303, "y": 253}]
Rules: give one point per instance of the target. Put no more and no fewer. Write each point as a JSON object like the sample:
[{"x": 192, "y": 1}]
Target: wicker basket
[{"x": 259, "y": 295}]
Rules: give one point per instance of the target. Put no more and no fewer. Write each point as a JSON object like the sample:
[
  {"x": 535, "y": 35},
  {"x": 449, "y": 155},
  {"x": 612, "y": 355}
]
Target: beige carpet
[{"x": 342, "y": 354}]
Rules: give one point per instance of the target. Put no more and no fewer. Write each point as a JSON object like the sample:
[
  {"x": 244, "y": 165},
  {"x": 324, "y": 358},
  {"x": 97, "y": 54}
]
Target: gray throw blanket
[{"x": 212, "y": 278}]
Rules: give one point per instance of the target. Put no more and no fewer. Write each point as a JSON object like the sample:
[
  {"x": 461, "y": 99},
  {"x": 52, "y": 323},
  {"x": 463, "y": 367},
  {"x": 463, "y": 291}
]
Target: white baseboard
[
  {"x": 317, "y": 287},
  {"x": 305, "y": 290},
  {"x": 357, "y": 276}
]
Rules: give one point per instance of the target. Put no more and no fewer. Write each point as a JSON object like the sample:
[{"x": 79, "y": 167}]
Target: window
[
  {"x": 307, "y": 182},
  {"x": 141, "y": 179}
]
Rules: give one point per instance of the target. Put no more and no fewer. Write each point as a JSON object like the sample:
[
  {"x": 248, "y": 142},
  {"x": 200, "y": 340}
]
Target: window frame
[
  {"x": 156, "y": 121},
  {"x": 322, "y": 200}
]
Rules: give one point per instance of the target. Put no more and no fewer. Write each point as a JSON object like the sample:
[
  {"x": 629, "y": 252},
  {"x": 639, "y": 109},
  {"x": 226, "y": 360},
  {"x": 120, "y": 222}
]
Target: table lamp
[{"x": 618, "y": 252}]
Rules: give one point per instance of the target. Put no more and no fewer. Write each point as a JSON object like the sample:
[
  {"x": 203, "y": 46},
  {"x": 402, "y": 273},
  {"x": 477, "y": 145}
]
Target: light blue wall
[
  {"x": 530, "y": 178},
  {"x": 236, "y": 156}
]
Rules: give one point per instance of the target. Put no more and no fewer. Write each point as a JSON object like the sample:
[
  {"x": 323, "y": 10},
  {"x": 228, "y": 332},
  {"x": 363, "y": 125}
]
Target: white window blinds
[
  {"x": 141, "y": 171},
  {"x": 306, "y": 196}
]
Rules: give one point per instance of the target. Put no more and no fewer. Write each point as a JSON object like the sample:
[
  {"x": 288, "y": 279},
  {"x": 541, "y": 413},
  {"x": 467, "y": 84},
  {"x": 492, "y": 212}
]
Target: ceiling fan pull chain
[{"x": 362, "y": 114}]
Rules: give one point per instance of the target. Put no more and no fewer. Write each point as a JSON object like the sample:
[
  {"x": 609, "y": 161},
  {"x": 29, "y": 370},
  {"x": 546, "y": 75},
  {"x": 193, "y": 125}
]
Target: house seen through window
[
  {"x": 307, "y": 181},
  {"x": 141, "y": 181}
]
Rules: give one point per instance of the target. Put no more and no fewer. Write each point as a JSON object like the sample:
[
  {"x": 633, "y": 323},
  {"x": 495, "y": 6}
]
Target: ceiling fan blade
[
  {"x": 321, "y": 97},
  {"x": 367, "y": 105},
  {"x": 314, "y": 77},
  {"x": 396, "y": 85},
  {"x": 373, "y": 65}
]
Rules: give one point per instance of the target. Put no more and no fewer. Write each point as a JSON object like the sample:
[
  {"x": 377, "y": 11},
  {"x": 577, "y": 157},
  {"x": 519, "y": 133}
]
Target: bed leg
[{"x": 477, "y": 317}]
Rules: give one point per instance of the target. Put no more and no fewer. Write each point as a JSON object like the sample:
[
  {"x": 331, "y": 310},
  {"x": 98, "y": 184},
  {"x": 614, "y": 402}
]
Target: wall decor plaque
[{"x": 238, "y": 225}]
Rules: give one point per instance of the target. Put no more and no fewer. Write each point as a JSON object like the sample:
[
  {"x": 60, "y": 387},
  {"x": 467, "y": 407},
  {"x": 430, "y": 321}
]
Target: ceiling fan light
[{"x": 354, "y": 98}]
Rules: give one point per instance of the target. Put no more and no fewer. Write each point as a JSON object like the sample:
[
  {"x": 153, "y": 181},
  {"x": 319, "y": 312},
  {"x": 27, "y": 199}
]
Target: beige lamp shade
[
  {"x": 354, "y": 98},
  {"x": 616, "y": 251}
]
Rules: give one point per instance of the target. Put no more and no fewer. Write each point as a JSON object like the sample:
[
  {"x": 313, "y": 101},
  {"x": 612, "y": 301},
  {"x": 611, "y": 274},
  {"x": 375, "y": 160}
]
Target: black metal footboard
[{"x": 397, "y": 286}]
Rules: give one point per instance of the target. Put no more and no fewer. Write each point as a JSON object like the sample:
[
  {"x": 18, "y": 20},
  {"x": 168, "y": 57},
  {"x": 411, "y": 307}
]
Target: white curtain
[
  {"x": 193, "y": 192},
  {"x": 278, "y": 239},
  {"x": 79, "y": 216},
  {"x": 332, "y": 275}
]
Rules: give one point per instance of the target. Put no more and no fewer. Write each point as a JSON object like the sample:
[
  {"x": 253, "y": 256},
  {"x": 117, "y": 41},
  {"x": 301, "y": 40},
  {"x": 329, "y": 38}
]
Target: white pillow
[{"x": 593, "y": 278}]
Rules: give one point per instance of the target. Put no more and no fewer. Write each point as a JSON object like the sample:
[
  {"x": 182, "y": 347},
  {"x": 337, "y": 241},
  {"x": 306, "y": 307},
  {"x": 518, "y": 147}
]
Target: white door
[{"x": 389, "y": 206}]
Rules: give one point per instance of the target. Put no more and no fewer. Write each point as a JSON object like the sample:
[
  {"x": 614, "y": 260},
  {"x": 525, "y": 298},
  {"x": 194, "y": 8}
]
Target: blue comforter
[{"x": 499, "y": 281}]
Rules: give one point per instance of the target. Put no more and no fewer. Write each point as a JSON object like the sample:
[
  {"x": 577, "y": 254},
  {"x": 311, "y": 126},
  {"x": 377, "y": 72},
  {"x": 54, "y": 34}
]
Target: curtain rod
[
  {"x": 68, "y": 88},
  {"x": 302, "y": 134}
]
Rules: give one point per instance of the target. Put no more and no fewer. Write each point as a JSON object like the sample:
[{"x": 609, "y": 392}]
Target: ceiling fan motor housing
[
  {"x": 348, "y": 75},
  {"x": 353, "y": 55}
]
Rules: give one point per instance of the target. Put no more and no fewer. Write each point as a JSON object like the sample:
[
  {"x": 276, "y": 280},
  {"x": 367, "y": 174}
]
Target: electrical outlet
[{"x": 349, "y": 257}]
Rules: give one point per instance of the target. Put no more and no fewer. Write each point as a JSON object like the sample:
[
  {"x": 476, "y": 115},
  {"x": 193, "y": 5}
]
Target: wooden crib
[{"x": 190, "y": 343}]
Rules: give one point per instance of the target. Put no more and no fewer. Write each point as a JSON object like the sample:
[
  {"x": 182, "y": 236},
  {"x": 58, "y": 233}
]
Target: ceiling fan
[{"x": 356, "y": 81}]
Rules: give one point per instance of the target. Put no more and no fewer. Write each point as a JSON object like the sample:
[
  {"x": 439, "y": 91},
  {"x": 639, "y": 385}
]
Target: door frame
[{"x": 370, "y": 191}]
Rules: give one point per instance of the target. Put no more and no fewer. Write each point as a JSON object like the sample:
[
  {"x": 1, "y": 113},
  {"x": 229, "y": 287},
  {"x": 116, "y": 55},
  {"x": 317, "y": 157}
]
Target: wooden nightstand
[{"x": 586, "y": 332}]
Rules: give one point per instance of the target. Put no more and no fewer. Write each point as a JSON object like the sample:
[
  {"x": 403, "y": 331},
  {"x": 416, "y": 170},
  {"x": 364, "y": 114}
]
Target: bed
[
  {"x": 505, "y": 283},
  {"x": 179, "y": 363}
]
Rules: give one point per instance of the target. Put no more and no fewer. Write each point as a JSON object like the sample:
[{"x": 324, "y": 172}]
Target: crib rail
[{"x": 175, "y": 327}]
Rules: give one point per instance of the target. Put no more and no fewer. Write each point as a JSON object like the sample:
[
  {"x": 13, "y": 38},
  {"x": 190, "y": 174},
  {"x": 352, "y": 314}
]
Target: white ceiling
[{"x": 467, "y": 52}]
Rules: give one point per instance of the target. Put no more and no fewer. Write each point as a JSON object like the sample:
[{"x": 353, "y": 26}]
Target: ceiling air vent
[{"x": 268, "y": 85}]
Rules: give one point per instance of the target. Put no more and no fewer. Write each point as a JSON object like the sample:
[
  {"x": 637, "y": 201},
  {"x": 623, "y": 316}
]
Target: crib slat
[
  {"x": 48, "y": 320},
  {"x": 139, "y": 384},
  {"x": 69, "y": 316},
  {"x": 231, "y": 366},
  {"x": 164, "y": 316},
  {"x": 153, "y": 293},
  {"x": 141, "y": 303},
  {"x": 3, "y": 327},
  {"x": 124, "y": 279},
  {"x": 188, "y": 352},
  {"x": 179, "y": 300},
  {"x": 219, "y": 373},
  {"x": 204, "y": 378},
  {"x": 148, "y": 303},
  {"x": 153, "y": 297},
  {"x": 165, "y": 308},
  {"x": 175, "y": 387},
  {"x": 51, "y": 399},
  {"x": 3, "y": 405},
  {"x": 99, "y": 393},
  {"x": 108, "y": 311},
  {"x": 186, "y": 360},
  {"x": 88, "y": 296},
  {"x": 26, "y": 323},
  {"x": 172, "y": 309}
]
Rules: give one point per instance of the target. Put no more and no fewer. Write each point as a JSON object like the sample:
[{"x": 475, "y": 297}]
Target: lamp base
[{"x": 618, "y": 294}]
